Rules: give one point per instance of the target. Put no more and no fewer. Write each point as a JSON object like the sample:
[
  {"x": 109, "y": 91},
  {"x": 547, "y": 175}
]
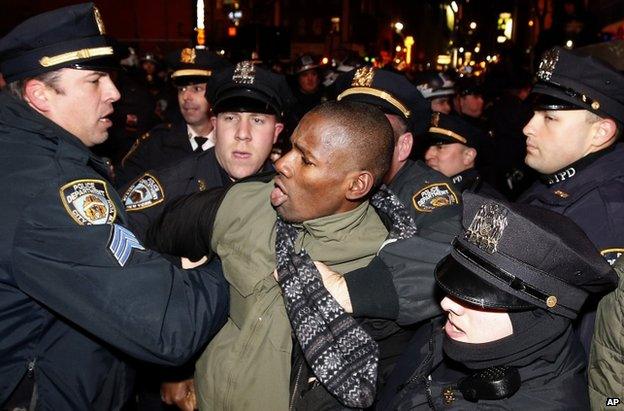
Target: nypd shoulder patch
[
  {"x": 612, "y": 254},
  {"x": 434, "y": 196},
  {"x": 88, "y": 202},
  {"x": 143, "y": 193},
  {"x": 121, "y": 244}
]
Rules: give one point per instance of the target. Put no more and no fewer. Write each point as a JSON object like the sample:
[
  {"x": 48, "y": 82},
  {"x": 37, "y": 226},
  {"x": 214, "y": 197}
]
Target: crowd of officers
[{"x": 358, "y": 239}]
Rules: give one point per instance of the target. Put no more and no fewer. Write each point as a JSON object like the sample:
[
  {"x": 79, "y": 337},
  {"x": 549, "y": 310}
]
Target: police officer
[
  {"x": 169, "y": 143},
  {"x": 308, "y": 89},
  {"x": 79, "y": 293},
  {"x": 515, "y": 279},
  {"x": 572, "y": 142},
  {"x": 438, "y": 89},
  {"x": 453, "y": 148},
  {"x": 249, "y": 104},
  {"x": 468, "y": 101}
]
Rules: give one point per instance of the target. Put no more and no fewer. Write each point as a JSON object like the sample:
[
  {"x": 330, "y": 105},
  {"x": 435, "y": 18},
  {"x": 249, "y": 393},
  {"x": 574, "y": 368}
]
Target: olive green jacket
[
  {"x": 247, "y": 365},
  {"x": 606, "y": 360}
]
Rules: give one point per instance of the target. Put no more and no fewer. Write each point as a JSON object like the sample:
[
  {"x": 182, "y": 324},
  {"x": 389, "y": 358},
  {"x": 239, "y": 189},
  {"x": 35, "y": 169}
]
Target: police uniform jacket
[
  {"x": 430, "y": 197},
  {"x": 591, "y": 195},
  {"x": 163, "y": 145},
  {"x": 79, "y": 293},
  {"x": 147, "y": 196},
  {"x": 425, "y": 380}
]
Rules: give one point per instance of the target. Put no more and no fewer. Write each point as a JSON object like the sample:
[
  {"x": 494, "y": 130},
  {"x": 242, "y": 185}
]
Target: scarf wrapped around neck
[{"x": 341, "y": 354}]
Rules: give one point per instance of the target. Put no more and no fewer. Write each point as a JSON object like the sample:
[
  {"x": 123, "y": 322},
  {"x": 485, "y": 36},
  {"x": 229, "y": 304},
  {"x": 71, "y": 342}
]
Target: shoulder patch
[
  {"x": 87, "y": 202},
  {"x": 434, "y": 196},
  {"x": 143, "y": 193},
  {"x": 612, "y": 254}
]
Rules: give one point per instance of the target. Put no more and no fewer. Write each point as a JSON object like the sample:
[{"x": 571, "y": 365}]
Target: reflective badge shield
[
  {"x": 487, "y": 227},
  {"x": 143, "y": 193},
  {"x": 434, "y": 196},
  {"x": 88, "y": 202}
]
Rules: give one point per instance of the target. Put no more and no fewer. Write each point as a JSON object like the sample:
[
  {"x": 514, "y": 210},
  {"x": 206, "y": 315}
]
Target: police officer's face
[
  {"x": 81, "y": 102},
  {"x": 556, "y": 139},
  {"x": 449, "y": 159},
  {"x": 470, "y": 324},
  {"x": 243, "y": 141},
  {"x": 441, "y": 105},
  {"x": 312, "y": 176},
  {"x": 471, "y": 105},
  {"x": 308, "y": 81},
  {"x": 193, "y": 104}
]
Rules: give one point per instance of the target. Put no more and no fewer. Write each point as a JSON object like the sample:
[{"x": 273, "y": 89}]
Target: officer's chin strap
[{"x": 494, "y": 383}]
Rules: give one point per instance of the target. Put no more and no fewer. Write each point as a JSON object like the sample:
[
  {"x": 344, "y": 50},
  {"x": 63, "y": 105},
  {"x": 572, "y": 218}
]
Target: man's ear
[
  {"x": 278, "y": 129},
  {"x": 469, "y": 157},
  {"x": 37, "y": 95},
  {"x": 404, "y": 145},
  {"x": 604, "y": 131},
  {"x": 360, "y": 183},
  {"x": 213, "y": 120}
]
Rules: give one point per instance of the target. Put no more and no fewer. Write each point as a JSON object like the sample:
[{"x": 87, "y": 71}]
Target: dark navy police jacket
[{"x": 79, "y": 294}]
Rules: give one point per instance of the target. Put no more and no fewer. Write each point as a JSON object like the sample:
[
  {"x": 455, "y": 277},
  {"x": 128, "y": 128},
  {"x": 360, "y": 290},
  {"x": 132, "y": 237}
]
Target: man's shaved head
[{"x": 363, "y": 130}]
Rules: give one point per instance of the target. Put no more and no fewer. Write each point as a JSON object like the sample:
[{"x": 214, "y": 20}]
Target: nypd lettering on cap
[
  {"x": 434, "y": 196},
  {"x": 143, "y": 193},
  {"x": 121, "y": 244},
  {"x": 87, "y": 202}
]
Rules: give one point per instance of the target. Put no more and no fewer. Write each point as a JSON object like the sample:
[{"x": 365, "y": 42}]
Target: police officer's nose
[
  {"x": 529, "y": 128},
  {"x": 243, "y": 132},
  {"x": 451, "y": 306},
  {"x": 112, "y": 93}
]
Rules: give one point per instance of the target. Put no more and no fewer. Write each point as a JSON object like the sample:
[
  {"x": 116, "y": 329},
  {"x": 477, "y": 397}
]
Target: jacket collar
[{"x": 41, "y": 131}]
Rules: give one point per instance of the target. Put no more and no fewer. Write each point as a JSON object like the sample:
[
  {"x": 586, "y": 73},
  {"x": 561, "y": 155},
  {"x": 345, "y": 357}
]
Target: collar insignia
[
  {"x": 363, "y": 77},
  {"x": 99, "y": 21},
  {"x": 188, "y": 56},
  {"x": 548, "y": 64},
  {"x": 244, "y": 73},
  {"x": 487, "y": 227},
  {"x": 143, "y": 193},
  {"x": 87, "y": 202}
]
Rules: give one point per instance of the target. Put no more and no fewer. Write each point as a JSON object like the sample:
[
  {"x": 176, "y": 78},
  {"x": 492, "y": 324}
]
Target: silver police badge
[
  {"x": 143, "y": 193},
  {"x": 434, "y": 196},
  {"x": 548, "y": 64},
  {"x": 87, "y": 202},
  {"x": 487, "y": 227},
  {"x": 244, "y": 73}
]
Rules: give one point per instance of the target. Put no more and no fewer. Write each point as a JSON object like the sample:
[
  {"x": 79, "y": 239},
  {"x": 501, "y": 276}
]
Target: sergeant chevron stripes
[{"x": 122, "y": 243}]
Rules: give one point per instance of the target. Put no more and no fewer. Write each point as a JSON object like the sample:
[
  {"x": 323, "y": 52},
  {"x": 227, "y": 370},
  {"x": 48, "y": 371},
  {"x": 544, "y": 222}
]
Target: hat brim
[
  {"x": 380, "y": 103},
  {"x": 245, "y": 100},
  {"x": 544, "y": 98},
  {"x": 186, "y": 80},
  {"x": 103, "y": 63},
  {"x": 464, "y": 284}
]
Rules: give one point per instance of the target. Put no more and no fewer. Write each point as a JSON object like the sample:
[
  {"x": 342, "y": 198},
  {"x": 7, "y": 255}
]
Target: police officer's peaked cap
[
  {"x": 391, "y": 92},
  {"x": 249, "y": 88},
  {"x": 519, "y": 257},
  {"x": 572, "y": 80},
  {"x": 305, "y": 63},
  {"x": 465, "y": 86},
  {"x": 451, "y": 128},
  {"x": 72, "y": 36},
  {"x": 193, "y": 65},
  {"x": 434, "y": 85}
]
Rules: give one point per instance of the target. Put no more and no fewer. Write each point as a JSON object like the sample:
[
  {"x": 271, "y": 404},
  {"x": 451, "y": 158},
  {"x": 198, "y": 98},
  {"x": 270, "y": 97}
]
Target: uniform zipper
[{"x": 30, "y": 368}]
